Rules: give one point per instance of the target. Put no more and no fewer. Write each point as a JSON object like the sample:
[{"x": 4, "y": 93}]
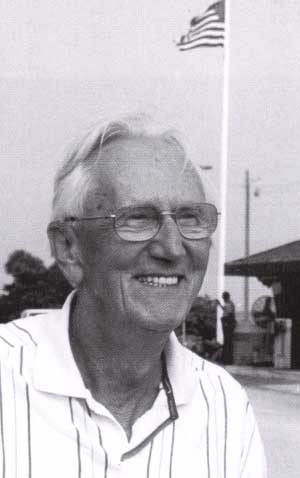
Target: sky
[
  {"x": 67, "y": 64},
  {"x": 264, "y": 118}
]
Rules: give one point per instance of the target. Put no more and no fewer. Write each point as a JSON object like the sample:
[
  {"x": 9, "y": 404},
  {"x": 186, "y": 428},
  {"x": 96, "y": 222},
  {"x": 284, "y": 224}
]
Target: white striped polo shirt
[{"x": 200, "y": 425}]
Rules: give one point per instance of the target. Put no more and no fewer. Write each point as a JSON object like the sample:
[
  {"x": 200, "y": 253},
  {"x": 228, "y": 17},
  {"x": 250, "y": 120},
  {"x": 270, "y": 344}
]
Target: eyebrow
[{"x": 155, "y": 204}]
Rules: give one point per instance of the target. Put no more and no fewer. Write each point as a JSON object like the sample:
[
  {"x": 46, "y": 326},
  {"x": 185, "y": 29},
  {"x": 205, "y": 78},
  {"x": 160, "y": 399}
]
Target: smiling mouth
[{"x": 160, "y": 281}]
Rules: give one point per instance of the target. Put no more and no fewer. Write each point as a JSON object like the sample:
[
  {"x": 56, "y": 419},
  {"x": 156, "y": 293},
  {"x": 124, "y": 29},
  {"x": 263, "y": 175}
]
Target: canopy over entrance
[
  {"x": 273, "y": 262},
  {"x": 280, "y": 265}
]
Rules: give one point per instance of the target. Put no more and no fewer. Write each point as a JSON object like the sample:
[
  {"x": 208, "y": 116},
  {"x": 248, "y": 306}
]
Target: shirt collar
[
  {"x": 183, "y": 369},
  {"x": 55, "y": 369}
]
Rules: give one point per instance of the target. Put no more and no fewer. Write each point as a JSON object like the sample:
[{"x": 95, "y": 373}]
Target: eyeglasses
[{"x": 137, "y": 224}]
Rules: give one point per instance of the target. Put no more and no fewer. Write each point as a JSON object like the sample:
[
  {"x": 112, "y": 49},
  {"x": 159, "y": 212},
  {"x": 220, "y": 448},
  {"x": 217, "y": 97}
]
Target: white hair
[{"x": 75, "y": 176}]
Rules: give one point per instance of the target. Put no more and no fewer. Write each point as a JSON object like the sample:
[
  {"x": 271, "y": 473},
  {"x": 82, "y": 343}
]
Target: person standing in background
[
  {"x": 277, "y": 291},
  {"x": 269, "y": 320},
  {"x": 228, "y": 325}
]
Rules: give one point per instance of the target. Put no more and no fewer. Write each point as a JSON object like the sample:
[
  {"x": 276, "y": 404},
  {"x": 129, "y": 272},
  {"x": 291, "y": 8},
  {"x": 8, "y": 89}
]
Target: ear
[{"x": 65, "y": 250}]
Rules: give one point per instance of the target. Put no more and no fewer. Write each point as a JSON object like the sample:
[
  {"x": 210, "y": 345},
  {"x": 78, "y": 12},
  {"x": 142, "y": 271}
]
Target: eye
[
  {"x": 187, "y": 217},
  {"x": 136, "y": 218}
]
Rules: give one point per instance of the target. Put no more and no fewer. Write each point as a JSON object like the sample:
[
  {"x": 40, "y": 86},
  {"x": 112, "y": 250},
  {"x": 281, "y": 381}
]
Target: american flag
[{"x": 206, "y": 30}]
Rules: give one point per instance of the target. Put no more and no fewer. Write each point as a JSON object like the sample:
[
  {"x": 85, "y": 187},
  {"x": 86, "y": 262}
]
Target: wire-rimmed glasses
[{"x": 142, "y": 223}]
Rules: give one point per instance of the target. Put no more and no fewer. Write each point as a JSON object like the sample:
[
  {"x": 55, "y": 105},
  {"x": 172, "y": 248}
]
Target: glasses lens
[
  {"x": 197, "y": 222},
  {"x": 137, "y": 224}
]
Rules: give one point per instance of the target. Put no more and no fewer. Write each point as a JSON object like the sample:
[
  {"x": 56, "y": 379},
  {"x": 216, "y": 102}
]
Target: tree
[
  {"x": 34, "y": 286},
  {"x": 59, "y": 287},
  {"x": 201, "y": 328},
  {"x": 21, "y": 265},
  {"x": 201, "y": 319}
]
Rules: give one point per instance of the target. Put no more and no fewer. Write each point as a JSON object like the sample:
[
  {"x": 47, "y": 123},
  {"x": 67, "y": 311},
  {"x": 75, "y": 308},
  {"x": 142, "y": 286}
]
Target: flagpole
[
  {"x": 247, "y": 241},
  {"x": 223, "y": 170}
]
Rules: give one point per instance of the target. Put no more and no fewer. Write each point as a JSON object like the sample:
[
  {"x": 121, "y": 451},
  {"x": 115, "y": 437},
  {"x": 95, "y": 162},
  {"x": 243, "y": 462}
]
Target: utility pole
[{"x": 247, "y": 241}]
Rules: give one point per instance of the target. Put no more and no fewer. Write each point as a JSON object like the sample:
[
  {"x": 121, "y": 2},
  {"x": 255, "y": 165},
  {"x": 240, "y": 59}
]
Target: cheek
[
  {"x": 95, "y": 244},
  {"x": 106, "y": 254},
  {"x": 94, "y": 256},
  {"x": 200, "y": 254}
]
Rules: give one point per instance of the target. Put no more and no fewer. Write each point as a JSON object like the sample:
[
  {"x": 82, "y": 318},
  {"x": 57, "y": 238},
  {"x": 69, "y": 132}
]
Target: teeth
[{"x": 161, "y": 281}]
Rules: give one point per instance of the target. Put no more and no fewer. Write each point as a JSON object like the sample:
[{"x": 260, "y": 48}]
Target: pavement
[
  {"x": 285, "y": 381},
  {"x": 274, "y": 395}
]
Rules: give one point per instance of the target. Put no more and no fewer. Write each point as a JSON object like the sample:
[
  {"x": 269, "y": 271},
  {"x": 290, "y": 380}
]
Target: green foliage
[
  {"x": 21, "y": 265},
  {"x": 34, "y": 286},
  {"x": 201, "y": 320},
  {"x": 200, "y": 330}
]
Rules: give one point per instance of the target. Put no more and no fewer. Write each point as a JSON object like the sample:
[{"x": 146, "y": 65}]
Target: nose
[{"x": 168, "y": 242}]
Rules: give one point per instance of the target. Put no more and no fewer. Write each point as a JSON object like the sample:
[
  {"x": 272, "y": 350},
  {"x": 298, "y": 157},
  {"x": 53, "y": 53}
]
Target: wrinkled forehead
[
  {"x": 143, "y": 149},
  {"x": 143, "y": 154},
  {"x": 144, "y": 168}
]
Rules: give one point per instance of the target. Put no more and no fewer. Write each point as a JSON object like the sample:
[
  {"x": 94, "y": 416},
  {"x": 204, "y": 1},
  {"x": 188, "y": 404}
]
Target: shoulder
[
  {"x": 21, "y": 334},
  {"x": 221, "y": 385},
  {"x": 191, "y": 367},
  {"x": 214, "y": 373},
  {"x": 217, "y": 373},
  {"x": 21, "y": 331}
]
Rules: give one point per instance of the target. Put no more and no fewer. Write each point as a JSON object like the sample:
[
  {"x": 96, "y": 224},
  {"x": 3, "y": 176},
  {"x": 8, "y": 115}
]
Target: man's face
[{"x": 150, "y": 284}]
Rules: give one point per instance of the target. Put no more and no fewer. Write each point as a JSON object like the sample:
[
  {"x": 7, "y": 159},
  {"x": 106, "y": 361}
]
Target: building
[{"x": 279, "y": 269}]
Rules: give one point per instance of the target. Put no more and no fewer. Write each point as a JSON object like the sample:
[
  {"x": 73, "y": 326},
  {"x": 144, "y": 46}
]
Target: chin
[
  {"x": 158, "y": 310},
  {"x": 163, "y": 322}
]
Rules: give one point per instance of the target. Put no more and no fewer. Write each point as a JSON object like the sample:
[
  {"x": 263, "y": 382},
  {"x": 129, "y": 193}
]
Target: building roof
[{"x": 284, "y": 259}]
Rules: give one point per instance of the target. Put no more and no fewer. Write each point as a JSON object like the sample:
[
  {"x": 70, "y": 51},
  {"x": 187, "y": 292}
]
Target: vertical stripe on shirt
[
  {"x": 247, "y": 407},
  {"x": 100, "y": 441},
  {"x": 207, "y": 428},
  {"x": 21, "y": 361},
  {"x": 250, "y": 441},
  {"x": 105, "y": 453},
  {"x": 2, "y": 428},
  {"x": 149, "y": 459},
  {"x": 249, "y": 447},
  {"x": 161, "y": 450},
  {"x": 6, "y": 341},
  {"x": 225, "y": 425},
  {"x": 28, "y": 415},
  {"x": 172, "y": 450},
  {"x": 214, "y": 442},
  {"x": 28, "y": 431},
  {"x": 15, "y": 422},
  {"x": 86, "y": 430},
  {"x": 77, "y": 438},
  {"x": 26, "y": 332}
]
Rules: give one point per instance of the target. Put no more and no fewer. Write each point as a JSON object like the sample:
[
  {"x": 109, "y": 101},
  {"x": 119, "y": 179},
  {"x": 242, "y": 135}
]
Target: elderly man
[{"x": 102, "y": 388}]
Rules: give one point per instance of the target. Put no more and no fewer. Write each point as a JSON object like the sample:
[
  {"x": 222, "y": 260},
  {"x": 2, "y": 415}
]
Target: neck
[
  {"x": 120, "y": 364},
  {"x": 111, "y": 354}
]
